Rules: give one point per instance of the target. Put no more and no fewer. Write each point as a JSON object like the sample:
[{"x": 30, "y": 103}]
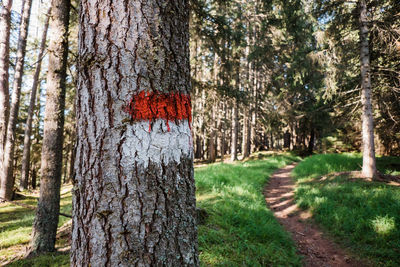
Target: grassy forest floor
[
  {"x": 239, "y": 230},
  {"x": 361, "y": 215}
]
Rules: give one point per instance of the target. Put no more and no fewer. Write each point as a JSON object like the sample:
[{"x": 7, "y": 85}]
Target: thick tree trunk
[
  {"x": 235, "y": 126},
  {"x": 5, "y": 20},
  {"x": 134, "y": 192},
  {"x": 369, "y": 161},
  {"x": 46, "y": 220},
  {"x": 7, "y": 177},
  {"x": 28, "y": 126}
]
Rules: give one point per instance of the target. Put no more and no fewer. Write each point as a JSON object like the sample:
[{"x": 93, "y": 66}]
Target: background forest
[{"x": 285, "y": 74}]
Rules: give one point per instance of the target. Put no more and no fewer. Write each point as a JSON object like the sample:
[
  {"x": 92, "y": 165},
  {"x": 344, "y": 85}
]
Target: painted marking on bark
[{"x": 157, "y": 105}]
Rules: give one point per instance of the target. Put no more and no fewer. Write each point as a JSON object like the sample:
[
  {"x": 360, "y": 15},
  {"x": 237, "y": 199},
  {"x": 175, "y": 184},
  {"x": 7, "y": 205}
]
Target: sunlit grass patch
[
  {"x": 383, "y": 225},
  {"x": 16, "y": 220},
  {"x": 362, "y": 215},
  {"x": 56, "y": 259},
  {"x": 240, "y": 230}
]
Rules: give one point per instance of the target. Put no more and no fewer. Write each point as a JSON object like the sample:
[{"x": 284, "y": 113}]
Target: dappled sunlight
[
  {"x": 359, "y": 213},
  {"x": 383, "y": 225}
]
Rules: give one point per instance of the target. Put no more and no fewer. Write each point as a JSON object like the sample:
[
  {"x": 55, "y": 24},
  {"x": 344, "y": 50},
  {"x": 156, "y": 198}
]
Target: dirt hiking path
[{"x": 316, "y": 249}]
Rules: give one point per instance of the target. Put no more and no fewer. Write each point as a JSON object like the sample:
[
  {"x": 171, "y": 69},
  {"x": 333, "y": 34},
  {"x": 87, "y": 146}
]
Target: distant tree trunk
[
  {"x": 33, "y": 181},
  {"x": 65, "y": 165},
  {"x": 212, "y": 146},
  {"x": 369, "y": 161},
  {"x": 28, "y": 126},
  {"x": 253, "y": 127},
  {"x": 272, "y": 140},
  {"x": 198, "y": 147},
  {"x": 7, "y": 177},
  {"x": 222, "y": 130},
  {"x": 312, "y": 141},
  {"x": 246, "y": 133},
  {"x": 235, "y": 126},
  {"x": 71, "y": 172},
  {"x": 46, "y": 220},
  {"x": 5, "y": 20},
  {"x": 134, "y": 191}
]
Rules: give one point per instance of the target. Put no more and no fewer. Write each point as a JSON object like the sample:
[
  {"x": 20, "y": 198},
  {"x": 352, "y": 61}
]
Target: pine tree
[
  {"x": 7, "y": 177},
  {"x": 28, "y": 125},
  {"x": 5, "y": 20},
  {"x": 46, "y": 220}
]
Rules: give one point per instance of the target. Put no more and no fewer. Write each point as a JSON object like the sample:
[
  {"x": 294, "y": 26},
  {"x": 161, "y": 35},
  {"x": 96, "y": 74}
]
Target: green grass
[
  {"x": 362, "y": 215},
  {"x": 56, "y": 259},
  {"x": 240, "y": 230},
  {"x": 16, "y": 223}
]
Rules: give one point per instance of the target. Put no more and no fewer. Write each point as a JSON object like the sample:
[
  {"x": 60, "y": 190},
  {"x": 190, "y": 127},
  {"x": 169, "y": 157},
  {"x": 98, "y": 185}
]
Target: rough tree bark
[
  {"x": 369, "y": 161},
  {"x": 5, "y": 18},
  {"x": 46, "y": 220},
  {"x": 134, "y": 192},
  {"x": 7, "y": 177},
  {"x": 28, "y": 126}
]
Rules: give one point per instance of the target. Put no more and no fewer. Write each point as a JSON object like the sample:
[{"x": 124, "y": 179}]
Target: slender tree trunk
[
  {"x": 7, "y": 177},
  {"x": 28, "y": 126},
  {"x": 212, "y": 146},
  {"x": 134, "y": 191},
  {"x": 46, "y": 220},
  {"x": 221, "y": 127},
  {"x": 5, "y": 20},
  {"x": 33, "y": 181},
  {"x": 272, "y": 140},
  {"x": 235, "y": 124},
  {"x": 253, "y": 127},
  {"x": 369, "y": 161},
  {"x": 71, "y": 172},
  {"x": 246, "y": 133},
  {"x": 312, "y": 141},
  {"x": 65, "y": 165}
]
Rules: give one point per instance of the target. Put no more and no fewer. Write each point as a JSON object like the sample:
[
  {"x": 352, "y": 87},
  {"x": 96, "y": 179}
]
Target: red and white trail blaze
[{"x": 150, "y": 106}]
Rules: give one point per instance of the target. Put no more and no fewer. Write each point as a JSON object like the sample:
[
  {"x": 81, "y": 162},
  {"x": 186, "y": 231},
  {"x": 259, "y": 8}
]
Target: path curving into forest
[{"x": 316, "y": 248}]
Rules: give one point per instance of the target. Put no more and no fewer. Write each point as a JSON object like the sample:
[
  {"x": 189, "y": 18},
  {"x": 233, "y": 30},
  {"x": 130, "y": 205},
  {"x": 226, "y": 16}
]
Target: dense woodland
[
  {"x": 297, "y": 75},
  {"x": 265, "y": 75}
]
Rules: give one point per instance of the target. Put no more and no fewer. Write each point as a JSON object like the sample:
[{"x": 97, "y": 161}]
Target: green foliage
[
  {"x": 240, "y": 230},
  {"x": 362, "y": 215},
  {"x": 338, "y": 38}
]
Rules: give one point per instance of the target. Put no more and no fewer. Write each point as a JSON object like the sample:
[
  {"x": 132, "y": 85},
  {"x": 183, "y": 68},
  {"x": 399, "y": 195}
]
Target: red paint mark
[{"x": 157, "y": 105}]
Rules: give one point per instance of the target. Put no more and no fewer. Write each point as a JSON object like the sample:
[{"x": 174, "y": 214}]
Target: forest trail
[{"x": 316, "y": 249}]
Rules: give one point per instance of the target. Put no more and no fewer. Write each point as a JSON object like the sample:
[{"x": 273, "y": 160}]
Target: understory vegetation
[
  {"x": 237, "y": 228},
  {"x": 362, "y": 215}
]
